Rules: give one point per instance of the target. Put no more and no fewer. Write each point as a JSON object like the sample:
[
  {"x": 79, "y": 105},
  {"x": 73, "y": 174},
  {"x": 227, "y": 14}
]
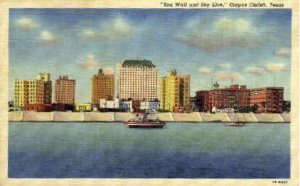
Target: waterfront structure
[
  {"x": 45, "y": 77},
  {"x": 20, "y": 93},
  {"x": 174, "y": 91},
  {"x": 267, "y": 99},
  {"x": 149, "y": 105},
  {"x": 228, "y": 98},
  {"x": 116, "y": 105},
  {"x": 137, "y": 80},
  {"x": 235, "y": 96},
  {"x": 28, "y": 92},
  {"x": 102, "y": 86},
  {"x": 83, "y": 107},
  {"x": 202, "y": 100},
  {"x": 33, "y": 92},
  {"x": 38, "y": 107},
  {"x": 109, "y": 104},
  {"x": 65, "y": 90}
]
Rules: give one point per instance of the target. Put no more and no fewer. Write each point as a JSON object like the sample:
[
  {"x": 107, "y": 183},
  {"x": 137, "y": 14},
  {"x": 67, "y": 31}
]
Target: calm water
[{"x": 181, "y": 150}]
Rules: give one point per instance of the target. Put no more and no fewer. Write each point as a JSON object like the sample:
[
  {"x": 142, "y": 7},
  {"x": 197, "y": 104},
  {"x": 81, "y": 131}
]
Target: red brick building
[
  {"x": 202, "y": 100},
  {"x": 234, "y": 96},
  {"x": 38, "y": 107},
  {"x": 267, "y": 99}
]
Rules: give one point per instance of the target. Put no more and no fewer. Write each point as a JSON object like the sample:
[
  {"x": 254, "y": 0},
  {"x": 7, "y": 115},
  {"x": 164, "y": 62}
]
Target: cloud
[
  {"x": 108, "y": 70},
  {"x": 118, "y": 27},
  {"x": 275, "y": 67},
  {"x": 283, "y": 52},
  {"x": 255, "y": 70},
  {"x": 26, "y": 23},
  {"x": 204, "y": 70},
  {"x": 228, "y": 76},
  {"x": 47, "y": 37},
  {"x": 220, "y": 34},
  {"x": 89, "y": 63},
  {"x": 226, "y": 66}
]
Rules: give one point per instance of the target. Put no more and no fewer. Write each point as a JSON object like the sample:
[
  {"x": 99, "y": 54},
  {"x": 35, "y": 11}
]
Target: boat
[
  {"x": 236, "y": 122},
  {"x": 144, "y": 122}
]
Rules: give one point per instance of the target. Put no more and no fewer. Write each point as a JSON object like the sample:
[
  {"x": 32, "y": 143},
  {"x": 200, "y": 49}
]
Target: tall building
[
  {"x": 45, "y": 77},
  {"x": 137, "y": 79},
  {"x": 102, "y": 87},
  {"x": 174, "y": 91},
  {"x": 20, "y": 93},
  {"x": 267, "y": 99},
  {"x": 35, "y": 92},
  {"x": 28, "y": 92},
  {"x": 65, "y": 90}
]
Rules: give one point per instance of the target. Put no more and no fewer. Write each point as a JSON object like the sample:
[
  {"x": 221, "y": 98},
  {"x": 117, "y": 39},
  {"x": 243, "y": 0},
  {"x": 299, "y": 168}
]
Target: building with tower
[
  {"x": 102, "y": 87},
  {"x": 65, "y": 90},
  {"x": 174, "y": 91},
  {"x": 137, "y": 80}
]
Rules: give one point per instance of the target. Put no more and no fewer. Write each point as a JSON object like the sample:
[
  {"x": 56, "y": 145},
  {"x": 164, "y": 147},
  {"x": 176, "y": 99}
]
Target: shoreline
[{"x": 110, "y": 117}]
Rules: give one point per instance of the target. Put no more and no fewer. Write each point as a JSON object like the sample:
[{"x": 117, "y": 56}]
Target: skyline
[{"x": 244, "y": 45}]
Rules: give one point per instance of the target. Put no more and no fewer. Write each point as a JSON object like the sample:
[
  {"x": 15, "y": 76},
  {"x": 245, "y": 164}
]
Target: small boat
[
  {"x": 144, "y": 122},
  {"x": 235, "y": 124}
]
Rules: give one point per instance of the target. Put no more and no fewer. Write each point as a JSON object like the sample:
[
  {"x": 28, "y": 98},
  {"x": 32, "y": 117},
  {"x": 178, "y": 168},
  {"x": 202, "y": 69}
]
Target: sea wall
[{"x": 165, "y": 116}]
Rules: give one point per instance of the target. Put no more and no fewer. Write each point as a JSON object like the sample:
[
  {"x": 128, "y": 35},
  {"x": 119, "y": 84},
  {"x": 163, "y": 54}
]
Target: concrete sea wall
[{"x": 166, "y": 116}]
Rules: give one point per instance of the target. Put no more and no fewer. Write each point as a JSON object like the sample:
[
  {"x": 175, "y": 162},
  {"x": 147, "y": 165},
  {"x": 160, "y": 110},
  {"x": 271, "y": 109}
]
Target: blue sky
[{"x": 245, "y": 46}]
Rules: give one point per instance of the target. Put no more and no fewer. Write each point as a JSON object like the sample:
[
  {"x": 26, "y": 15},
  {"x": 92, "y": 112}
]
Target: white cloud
[
  {"x": 228, "y": 76},
  {"x": 275, "y": 67},
  {"x": 89, "y": 63},
  {"x": 204, "y": 70},
  {"x": 47, "y": 37},
  {"x": 219, "y": 34},
  {"x": 26, "y": 23},
  {"x": 108, "y": 70},
  {"x": 118, "y": 27},
  {"x": 254, "y": 70},
  {"x": 283, "y": 52},
  {"x": 226, "y": 66}
]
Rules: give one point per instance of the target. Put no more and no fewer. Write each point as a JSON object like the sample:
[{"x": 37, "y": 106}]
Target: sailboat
[{"x": 236, "y": 122}]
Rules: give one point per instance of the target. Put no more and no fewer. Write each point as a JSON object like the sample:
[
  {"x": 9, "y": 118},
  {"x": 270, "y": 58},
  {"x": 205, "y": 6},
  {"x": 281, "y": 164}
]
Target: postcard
[{"x": 149, "y": 93}]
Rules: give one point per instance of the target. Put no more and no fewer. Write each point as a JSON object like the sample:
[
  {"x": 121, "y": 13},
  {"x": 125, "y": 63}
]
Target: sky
[{"x": 240, "y": 46}]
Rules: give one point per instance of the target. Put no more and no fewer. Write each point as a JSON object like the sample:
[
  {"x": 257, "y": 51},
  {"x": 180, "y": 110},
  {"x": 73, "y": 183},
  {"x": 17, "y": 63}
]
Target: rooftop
[{"x": 141, "y": 63}]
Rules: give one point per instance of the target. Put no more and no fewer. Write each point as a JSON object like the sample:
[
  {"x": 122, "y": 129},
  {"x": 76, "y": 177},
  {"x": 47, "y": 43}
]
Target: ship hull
[{"x": 145, "y": 124}]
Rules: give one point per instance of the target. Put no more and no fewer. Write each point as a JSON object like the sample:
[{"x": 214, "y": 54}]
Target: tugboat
[{"x": 144, "y": 122}]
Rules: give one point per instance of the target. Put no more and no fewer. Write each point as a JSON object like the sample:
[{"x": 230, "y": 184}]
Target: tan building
[
  {"x": 45, "y": 77},
  {"x": 65, "y": 90},
  {"x": 174, "y": 91},
  {"x": 102, "y": 87},
  {"x": 20, "y": 93},
  {"x": 28, "y": 92},
  {"x": 137, "y": 79},
  {"x": 35, "y": 92}
]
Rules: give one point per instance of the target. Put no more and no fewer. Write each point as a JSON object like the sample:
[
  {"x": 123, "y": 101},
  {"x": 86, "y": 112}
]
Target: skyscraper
[
  {"x": 174, "y": 91},
  {"x": 45, "y": 77},
  {"x": 137, "y": 79},
  {"x": 31, "y": 92},
  {"x": 65, "y": 90},
  {"x": 20, "y": 93},
  {"x": 102, "y": 87}
]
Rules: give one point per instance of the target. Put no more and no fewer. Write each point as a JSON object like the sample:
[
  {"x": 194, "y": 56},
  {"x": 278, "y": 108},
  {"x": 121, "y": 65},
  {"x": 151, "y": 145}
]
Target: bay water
[{"x": 180, "y": 150}]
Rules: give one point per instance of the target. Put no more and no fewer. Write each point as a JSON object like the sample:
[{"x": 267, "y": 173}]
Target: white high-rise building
[{"x": 137, "y": 79}]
